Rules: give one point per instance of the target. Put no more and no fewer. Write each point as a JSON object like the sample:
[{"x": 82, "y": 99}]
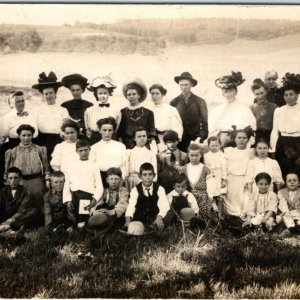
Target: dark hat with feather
[
  {"x": 45, "y": 82},
  {"x": 290, "y": 82},
  {"x": 230, "y": 81}
]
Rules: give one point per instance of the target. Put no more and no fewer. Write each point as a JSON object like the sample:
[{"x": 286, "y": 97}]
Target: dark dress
[
  {"x": 194, "y": 119},
  {"x": 76, "y": 109},
  {"x": 133, "y": 118}
]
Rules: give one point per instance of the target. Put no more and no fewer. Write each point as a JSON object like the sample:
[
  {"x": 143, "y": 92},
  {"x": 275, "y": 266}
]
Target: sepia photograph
[{"x": 150, "y": 151}]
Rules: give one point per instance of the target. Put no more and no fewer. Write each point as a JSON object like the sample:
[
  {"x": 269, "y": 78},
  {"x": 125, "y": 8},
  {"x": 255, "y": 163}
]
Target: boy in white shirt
[{"x": 83, "y": 181}]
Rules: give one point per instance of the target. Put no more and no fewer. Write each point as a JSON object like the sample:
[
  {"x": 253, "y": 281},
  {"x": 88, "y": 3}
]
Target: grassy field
[{"x": 170, "y": 264}]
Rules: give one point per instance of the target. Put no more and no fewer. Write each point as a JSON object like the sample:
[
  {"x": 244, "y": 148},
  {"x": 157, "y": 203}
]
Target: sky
[{"x": 59, "y": 14}]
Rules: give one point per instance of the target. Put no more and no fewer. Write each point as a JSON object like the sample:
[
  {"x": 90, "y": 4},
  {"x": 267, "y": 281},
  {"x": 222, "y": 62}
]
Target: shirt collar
[
  {"x": 149, "y": 187},
  {"x": 183, "y": 98},
  {"x": 174, "y": 193}
]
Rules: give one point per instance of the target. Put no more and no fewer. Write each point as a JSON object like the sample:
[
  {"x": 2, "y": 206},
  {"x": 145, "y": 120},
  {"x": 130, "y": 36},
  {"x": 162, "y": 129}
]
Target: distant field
[{"x": 206, "y": 63}]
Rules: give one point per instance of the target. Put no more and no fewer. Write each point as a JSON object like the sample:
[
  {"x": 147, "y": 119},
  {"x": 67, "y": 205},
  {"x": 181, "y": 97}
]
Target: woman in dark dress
[
  {"x": 135, "y": 115},
  {"x": 76, "y": 107}
]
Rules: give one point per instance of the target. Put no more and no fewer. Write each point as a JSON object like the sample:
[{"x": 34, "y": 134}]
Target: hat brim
[
  {"x": 72, "y": 79},
  {"x": 192, "y": 80},
  {"x": 42, "y": 86},
  {"x": 106, "y": 86},
  {"x": 139, "y": 83},
  {"x": 230, "y": 85},
  {"x": 102, "y": 226}
]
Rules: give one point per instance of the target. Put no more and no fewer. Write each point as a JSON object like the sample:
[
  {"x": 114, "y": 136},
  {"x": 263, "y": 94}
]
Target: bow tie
[
  {"x": 23, "y": 113},
  {"x": 104, "y": 104}
]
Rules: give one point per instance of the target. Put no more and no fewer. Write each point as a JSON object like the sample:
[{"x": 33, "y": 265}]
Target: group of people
[{"x": 96, "y": 167}]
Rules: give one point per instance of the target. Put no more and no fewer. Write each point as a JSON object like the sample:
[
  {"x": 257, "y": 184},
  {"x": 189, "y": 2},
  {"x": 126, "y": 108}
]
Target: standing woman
[
  {"x": 10, "y": 123},
  {"x": 76, "y": 107},
  {"x": 49, "y": 115},
  {"x": 31, "y": 159},
  {"x": 232, "y": 113},
  {"x": 285, "y": 136},
  {"x": 103, "y": 88},
  {"x": 135, "y": 115},
  {"x": 166, "y": 117}
]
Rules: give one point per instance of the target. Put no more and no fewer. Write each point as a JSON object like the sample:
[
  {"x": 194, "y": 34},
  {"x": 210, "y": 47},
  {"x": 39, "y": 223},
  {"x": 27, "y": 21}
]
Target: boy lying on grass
[
  {"x": 148, "y": 204},
  {"x": 17, "y": 208}
]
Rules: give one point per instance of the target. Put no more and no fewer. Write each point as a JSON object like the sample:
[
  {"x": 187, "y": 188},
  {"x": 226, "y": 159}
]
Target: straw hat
[{"x": 136, "y": 84}]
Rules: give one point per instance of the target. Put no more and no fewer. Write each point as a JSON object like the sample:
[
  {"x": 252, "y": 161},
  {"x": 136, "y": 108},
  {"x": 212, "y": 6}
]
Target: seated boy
[
  {"x": 289, "y": 203},
  {"x": 83, "y": 186},
  {"x": 55, "y": 211},
  {"x": 148, "y": 203},
  {"x": 182, "y": 202},
  {"x": 17, "y": 208},
  {"x": 170, "y": 160},
  {"x": 111, "y": 207}
]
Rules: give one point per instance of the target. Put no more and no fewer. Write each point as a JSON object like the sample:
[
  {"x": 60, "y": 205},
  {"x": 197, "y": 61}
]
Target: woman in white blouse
[
  {"x": 166, "y": 117},
  {"x": 50, "y": 115},
  {"x": 285, "y": 136},
  {"x": 232, "y": 113}
]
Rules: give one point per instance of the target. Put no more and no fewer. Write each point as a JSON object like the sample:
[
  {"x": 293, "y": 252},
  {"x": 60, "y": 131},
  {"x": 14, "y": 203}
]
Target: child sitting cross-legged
[
  {"x": 262, "y": 205},
  {"x": 289, "y": 204},
  {"x": 55, "y": 211},
  {"x": 83, "y": 186},
  {"x": 148, "y": 204},
  {"x": 182, "y": 202},
  {"x": 110, "y": 209},
  {"x": 17, "y": 208}
]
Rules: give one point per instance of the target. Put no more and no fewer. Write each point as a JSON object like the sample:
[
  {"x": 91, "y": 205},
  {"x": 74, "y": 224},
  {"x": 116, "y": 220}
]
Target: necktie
[
  {"x": 104, "y": 104},
  {"x": 172, "y": 158},
  {"x": 148, "y": 192},
  {"x": 23, "y": 113}
]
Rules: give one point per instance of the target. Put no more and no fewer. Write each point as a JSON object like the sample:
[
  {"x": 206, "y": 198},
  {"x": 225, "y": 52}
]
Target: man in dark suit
[{"x": 192, "y": 110}]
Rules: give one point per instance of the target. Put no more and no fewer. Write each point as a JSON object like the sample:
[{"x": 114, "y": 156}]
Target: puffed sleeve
[
  {"x": 250, "y": 172},
  {"x": 176, "y": 122},
  {"x": 275, "y": 131},
  {"x": 56, "y": 157},
  {"x": 9, "y": 160}
]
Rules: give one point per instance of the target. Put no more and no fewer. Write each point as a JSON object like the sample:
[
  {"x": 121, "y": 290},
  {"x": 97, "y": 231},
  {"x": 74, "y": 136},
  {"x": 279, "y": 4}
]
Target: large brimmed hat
[
  {"x": 72, "y": 79},
  {"x": 45, "y": 82},
  {"x": 100, "y": 222},
  {"x": 137, "y": 84},
  {"x": 290, "y": 82},
  {"x": 101, "y": 81},
  {"x": 186, "y": 214},
  {"x": 230, "y": 81},
  {"x": 188, "y": 76}
]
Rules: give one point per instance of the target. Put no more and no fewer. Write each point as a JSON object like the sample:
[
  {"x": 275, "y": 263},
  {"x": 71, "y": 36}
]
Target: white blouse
[
  {"x": 222, "y": 117},
  {"x": 286, "y": 121}
]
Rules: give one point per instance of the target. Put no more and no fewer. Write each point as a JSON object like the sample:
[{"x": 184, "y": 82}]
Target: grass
[{"x": 163, "y": 265}]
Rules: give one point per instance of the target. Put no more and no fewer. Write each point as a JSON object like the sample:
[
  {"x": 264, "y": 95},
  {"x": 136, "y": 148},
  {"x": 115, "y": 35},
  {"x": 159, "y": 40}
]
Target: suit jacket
[
  {"x": 194, "y": 116},
  {"x": 15, "y": 206}
]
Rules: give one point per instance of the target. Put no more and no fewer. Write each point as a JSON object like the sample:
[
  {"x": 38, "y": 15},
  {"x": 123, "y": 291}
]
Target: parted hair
[
  {"x": 261, "y": 176},
  {"x": 107, "y": 121}
]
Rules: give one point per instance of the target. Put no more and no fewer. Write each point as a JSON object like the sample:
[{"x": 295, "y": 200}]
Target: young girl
[
  {"x": 103, "y": 88},
  {"x": 237, "y": 162},
  {"x": 216, "y": 162},
  {"x": 262, "y": 205},
  {"x": 262, "y": 163},
  {"x": 137, "y": 156},
  {"x": 65, "y": 153},
  {"x": 200, "y": 180},
  {"x": 135, "y": 114}
]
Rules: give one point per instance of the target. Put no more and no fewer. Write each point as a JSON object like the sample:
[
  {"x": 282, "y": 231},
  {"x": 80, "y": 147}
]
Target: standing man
[
  {"x": 192, "y": 110},
  {"x": 273, "y": 96}
]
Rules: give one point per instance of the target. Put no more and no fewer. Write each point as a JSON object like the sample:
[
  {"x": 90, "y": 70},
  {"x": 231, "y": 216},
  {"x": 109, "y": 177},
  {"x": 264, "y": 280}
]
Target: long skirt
[
  {"x": 288, "y": 154},
  {"x": 236, "y": 199}
]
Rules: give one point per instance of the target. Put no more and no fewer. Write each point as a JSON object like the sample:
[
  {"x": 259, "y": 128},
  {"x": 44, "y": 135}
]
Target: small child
[
  {"x": 111, "y": 207},
  {"x": 289, "y": 203},
  {"x": 148, "y": 204},
  {"x": 108, "y": 153},
  {"x": 201, "y": 182},
  {"x": 262, "y": 206},
  {"x": 17, "y": 208},
  {"x": 83, "y": 185},
  {"x": 55, "y": 211},
  {"x": 137, "y": 156},
  {"x": 262, "y": 163},
  {"x": 170, "y": 161},
  {"x": 217, "y": 163},
  {"x": 180, "y": 199}
]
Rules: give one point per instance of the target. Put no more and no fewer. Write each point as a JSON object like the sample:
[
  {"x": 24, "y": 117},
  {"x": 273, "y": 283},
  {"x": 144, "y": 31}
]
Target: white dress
[{"x": 237, "y": 197}]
